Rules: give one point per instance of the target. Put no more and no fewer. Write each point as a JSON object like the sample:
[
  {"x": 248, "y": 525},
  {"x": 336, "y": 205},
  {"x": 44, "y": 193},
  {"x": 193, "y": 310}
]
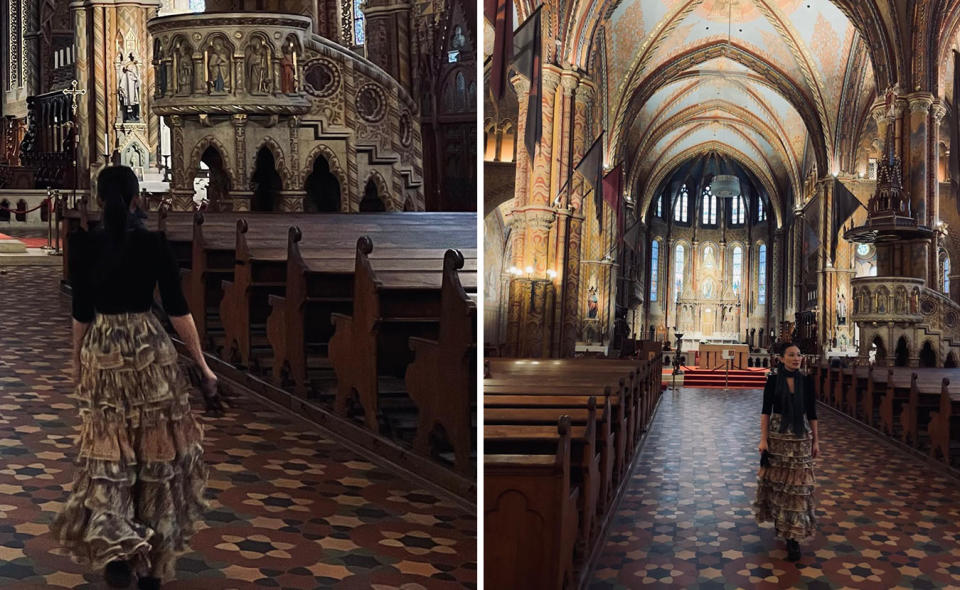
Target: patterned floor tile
[
  {"x": 885, "y": 519},
  {"x": 290, "y": 509}
]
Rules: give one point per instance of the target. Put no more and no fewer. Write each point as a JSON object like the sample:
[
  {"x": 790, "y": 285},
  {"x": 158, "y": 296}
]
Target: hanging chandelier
[{"x": 725, "y": 186}]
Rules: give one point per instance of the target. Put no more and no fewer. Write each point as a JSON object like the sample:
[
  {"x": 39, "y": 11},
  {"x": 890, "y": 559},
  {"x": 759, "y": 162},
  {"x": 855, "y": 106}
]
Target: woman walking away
[
  {"x": 788, "y": 445},
  {"x": 138, "y": 490}
]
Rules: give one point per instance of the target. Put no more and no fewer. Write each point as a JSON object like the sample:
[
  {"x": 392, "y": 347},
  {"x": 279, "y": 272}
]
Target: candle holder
[{"x": 676, "y": 361}]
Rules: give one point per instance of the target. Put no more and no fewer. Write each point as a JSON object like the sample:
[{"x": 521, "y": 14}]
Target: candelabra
[{"x": 676, "y": 361}]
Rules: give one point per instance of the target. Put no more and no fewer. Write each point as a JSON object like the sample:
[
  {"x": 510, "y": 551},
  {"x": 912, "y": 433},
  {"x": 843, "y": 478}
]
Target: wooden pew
[
  {"x": 442, "y": 378},
  {"x": 944, "y": 423},
  {"x": 584, "y": 460},
  {"x": 530, "y": 510},
  {"x": 605, "y": 442},
  {"x": 388, "y": 308},
  {"x": 301, "y": 319}
]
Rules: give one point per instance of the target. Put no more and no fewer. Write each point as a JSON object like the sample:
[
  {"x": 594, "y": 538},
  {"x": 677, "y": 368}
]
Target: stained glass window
[
  {"x": 660, "y": 206},
  {"x": 680, "y": 206},
  {"x": 762, "y": 276},
  {"x": 358, "y": 34},
  {"x": 678, "y": 274},
  {"x": 709, "y": 205},
  {"x": 737, "y": 210},
  {"x": 198, "y": 5},
  {"x": 654, "y": 269},
  {"x": 946, "y": 275},
  {"x": 761, "y": 212},
  {"x": 737, "y": 268}
]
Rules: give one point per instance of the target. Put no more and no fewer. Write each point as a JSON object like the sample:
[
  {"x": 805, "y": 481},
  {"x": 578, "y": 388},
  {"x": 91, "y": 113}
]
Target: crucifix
[{"x": 74, "y": 93}]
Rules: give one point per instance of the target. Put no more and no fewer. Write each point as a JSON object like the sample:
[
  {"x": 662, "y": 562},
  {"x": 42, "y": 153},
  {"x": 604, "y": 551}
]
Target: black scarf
[{"x": 791, "y": 404}]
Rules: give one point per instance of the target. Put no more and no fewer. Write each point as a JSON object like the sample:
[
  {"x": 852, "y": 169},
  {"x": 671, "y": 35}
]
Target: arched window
[
  {"x": 198, "y": 5},
  {"x": 490, "y": 142},
  {"x": 709, "y": 205},
  {"x": 737, "y": 210},
  {"x": 680, "y": 206},
  {"x": 660, "y": 206},
  {"x": 678, "y": 273},
  {"x": 946, "y": 274},
  {"x": 359, "y": 36},
  {"x": 654, "y": 269},
  {"x": 761, "y": 212},
  {"x": 762, "y": 276},
  {"x": 737, "y": 268}
]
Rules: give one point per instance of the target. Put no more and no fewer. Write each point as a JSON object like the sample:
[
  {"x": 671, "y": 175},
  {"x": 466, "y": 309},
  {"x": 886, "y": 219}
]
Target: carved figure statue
[
  {"x": 288, "y": 69},
  {"x": 161, "y": 68},
  {"x": 841, "y": 310},
  {"x": 218, "y": 63},
  {"x": 258, "y": 67},
  {"x": 593, "y": 304},
  {"x": 184, "y": 70},
  {"x": 128, "y": 88},
  {"x": 709, "y": 260},
  {"x": 457, "y": 40}
]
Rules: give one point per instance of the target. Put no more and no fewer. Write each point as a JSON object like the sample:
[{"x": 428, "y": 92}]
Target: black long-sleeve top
[
  {"x": 771, "y": 401},
  {"x": 111, "y": 278}
]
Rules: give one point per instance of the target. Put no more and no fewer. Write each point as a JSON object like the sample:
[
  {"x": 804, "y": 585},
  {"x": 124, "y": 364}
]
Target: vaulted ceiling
[{"x": 763, "y": 81}]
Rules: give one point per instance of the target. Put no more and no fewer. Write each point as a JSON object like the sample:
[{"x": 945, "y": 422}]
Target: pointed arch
[
  {"x": 193, "y": 164},
  {"x": 281, "y": 163}
]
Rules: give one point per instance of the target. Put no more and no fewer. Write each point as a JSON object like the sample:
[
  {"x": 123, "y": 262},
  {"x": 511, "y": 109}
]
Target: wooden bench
[
  {"x": 388, "y": 307},
  {"x": 584, "y": 462},
  {"x": 442, "y": 378},
  {"x": 530, "y": 518}
]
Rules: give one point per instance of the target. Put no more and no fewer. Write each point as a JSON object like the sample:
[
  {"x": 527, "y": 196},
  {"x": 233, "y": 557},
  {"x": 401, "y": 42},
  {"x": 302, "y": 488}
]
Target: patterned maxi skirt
[
  {"x": 785, "y": 489},
  {"x": 137, "y": 493}
]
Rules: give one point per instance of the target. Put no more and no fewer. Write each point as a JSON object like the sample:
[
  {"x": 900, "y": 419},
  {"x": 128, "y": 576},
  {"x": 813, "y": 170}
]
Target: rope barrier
[{"x": 21, "y": 211}]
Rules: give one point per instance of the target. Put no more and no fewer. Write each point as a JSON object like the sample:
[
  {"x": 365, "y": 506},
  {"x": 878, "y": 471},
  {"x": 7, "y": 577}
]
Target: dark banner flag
[
  {"x": 845, "y": 204},
  {"x": 955, "y": 133},
  {"x": 612, "y": 188},
  {"x": 527, "y": 49},
  {"x": 591, "y": 167},
  {"x": 811, "y": 226},
  {"x": 500, "y": 14}
]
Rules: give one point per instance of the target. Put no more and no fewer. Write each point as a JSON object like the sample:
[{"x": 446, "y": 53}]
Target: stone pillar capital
[
  {"x": 175, "y": 120},
  {"x": 541, "y": 219},
  {"x": 920, "y": 102},
  {"x": 521, "y": 84},
  {"x": 585, "y": 90},
  {"x": 569, "y": 80},
  {"x": 939, "y": 111},
  {"x": 239, "y": 120},
  {"x": 551, "y": 79}
]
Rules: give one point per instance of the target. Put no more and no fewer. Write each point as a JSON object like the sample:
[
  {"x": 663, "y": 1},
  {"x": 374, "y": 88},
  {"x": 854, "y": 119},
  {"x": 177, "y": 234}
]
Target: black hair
[
  {"x": 782, "y": 347},
  {"x": 116, "y": 187}
]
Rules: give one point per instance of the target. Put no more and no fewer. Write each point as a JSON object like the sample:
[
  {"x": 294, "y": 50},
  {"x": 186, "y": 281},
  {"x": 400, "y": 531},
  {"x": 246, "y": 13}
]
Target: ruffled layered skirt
[
  {"x": 138, "y": 489},
  {"x": 785, "y": 488}
]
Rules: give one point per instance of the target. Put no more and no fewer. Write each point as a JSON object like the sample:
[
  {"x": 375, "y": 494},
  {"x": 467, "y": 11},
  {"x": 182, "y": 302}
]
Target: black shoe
[
  {"x": 793, "y": 550},
  {"x": 148, "y": 584},
  {"x": 118, "y": 574}
]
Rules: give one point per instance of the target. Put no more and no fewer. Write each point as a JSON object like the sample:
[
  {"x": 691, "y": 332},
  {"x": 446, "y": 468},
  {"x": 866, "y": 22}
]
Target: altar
[{"x": 711, "y": 354}]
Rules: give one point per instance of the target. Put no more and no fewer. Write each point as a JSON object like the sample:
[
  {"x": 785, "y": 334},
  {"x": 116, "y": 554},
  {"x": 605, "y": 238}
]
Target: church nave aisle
[
  {"x": 885, "y": 518},
  {"x": 289, "y": 507}
]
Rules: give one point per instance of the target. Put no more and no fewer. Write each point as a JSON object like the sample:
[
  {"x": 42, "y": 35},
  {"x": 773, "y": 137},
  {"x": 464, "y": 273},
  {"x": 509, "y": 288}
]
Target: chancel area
[
  {"x": 312, "y": 167},
  {"x": 672, "y": 188}
]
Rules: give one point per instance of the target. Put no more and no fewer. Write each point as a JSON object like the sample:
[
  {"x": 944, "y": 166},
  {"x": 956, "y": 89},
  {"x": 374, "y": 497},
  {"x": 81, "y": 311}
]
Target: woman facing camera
[{"x": 789, "y": 443}]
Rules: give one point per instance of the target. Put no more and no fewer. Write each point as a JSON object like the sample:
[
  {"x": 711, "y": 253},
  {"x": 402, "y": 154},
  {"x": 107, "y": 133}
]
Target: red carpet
[
  {"x": 28, "y": 242},
  {"x": 704, "y": 378}
]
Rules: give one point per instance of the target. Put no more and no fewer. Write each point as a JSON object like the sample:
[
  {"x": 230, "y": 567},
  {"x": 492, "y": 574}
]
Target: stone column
[
  {"x": 522, "y": 87},
  {"x": 694, "y": 252},
  {"x": 571, "y": 288},
  {"x": 920, "y": 168},
  {"x": 181, "y": 194},
  {"x": 775, "y": 296},
  {"x": 937, "y": 114},
  {"x": 543, "y": 159}
]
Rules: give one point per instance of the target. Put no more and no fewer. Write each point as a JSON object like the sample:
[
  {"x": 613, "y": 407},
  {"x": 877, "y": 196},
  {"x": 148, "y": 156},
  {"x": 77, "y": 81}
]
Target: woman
[
  {"x": 138, "y": 490},
  {"x": 788, "y": 436}
]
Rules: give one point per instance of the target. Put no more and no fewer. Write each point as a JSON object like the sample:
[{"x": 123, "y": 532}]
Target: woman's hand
[
  {"x": 762, "y": 446},
  {"x": 816, "y": 449}
]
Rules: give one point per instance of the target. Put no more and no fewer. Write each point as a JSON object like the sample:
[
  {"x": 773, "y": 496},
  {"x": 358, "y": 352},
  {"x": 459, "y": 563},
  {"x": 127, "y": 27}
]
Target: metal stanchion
[{"x": 49, "y": 206}]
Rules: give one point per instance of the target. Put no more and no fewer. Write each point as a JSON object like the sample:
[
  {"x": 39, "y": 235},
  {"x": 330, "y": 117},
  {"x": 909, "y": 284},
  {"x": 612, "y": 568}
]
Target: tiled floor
[
  {"x": 289, "y": 508},
  {"x": 885, "y": 520}
]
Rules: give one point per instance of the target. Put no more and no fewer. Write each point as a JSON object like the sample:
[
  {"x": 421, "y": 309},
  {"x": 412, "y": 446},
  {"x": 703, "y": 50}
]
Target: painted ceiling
[{"x": 757, "y": 76}]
